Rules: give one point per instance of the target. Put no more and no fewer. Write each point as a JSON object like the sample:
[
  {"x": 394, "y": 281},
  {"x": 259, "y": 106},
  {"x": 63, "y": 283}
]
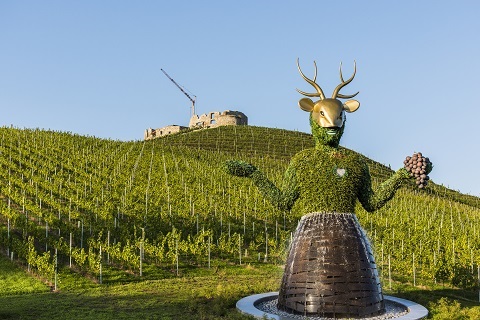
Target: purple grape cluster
[{"x": 418, "y": 166}]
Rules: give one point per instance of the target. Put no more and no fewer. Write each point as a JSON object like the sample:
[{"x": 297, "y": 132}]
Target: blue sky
[{"x": 93, "y": 68}]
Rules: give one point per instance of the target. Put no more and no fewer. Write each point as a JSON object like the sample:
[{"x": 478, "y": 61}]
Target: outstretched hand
[
  {"x": 419, "y": 167},
  {"x": 239, "y": 168}
]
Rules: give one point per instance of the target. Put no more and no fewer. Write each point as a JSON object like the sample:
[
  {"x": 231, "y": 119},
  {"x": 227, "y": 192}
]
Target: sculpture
[{"x": 330, "y": 270}]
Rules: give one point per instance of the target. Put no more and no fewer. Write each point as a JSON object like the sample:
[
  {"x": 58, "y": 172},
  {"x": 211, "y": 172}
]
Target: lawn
[
  {"x": 14, "y": 280},
  {"x": 212, "y": 295},
  {"x": 197, "y": 293}
]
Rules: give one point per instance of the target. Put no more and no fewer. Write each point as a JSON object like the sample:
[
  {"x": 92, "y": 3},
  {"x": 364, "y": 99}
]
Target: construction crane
[{"x": 181, "y": 89}]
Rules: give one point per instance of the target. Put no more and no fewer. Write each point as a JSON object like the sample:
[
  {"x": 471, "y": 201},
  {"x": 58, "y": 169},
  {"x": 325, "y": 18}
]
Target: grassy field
[
  {"x": 14, "y": 280},
  {"x": 197, "y": 293}
]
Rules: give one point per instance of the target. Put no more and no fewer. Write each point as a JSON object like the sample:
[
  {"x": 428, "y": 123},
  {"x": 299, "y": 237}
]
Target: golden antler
[
  {"x": 344, "y": 83},
  {"x": 312, "y": 82}
]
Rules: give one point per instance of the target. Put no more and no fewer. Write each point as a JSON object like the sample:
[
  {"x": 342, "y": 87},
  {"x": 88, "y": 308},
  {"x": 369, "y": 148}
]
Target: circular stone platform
[{"x": 253, "y": 305}]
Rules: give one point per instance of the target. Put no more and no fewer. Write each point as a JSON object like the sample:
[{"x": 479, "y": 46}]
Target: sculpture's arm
[
  {"x": 371, "y": 200},
  {"x": 282, "y": 199}
]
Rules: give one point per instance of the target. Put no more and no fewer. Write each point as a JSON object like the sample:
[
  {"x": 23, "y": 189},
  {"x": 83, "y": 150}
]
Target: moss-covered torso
[{"x": 328, "y": 179}]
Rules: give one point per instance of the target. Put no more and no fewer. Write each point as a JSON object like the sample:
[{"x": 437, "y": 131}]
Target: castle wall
[
  {"x": 216, "y": 119},
  {"x": 160, "y": 132}
]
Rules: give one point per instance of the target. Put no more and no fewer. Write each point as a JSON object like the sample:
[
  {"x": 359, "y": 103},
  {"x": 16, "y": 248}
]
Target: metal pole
[
  {"x": 176, "y": 254},
  {"x": 240, "y": 248},
  {"x": 56, "y": 268},
  {"x": 8, "y": 236},
  {"x": 209, "y": 240},
  {"x": 266, "y": 242},
  {"x": 81, "y": 239},
  {"x": 413, "y": 264},
  {"x": 100, "y": 264},
  {"x": 389, "y": 273},
  {"x": 70, "y": 250},
  {"x": 108, "y": 245},
  {"x": 46, "y": 236}
]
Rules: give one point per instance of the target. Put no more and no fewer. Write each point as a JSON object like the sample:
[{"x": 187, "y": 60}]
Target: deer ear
[
  {"x": 306, "y": 104},
  {"x": 351, "y": 105}
]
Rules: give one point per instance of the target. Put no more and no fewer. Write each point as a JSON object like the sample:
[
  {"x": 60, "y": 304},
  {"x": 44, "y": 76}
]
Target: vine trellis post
[
  {"x": 56, "y": 270},
  {"x": 100, "y": 266},
  {"x": 240, "y": 248},
  {"x": 413, "y": 268},
  {"x": 478, "y": 277},
  {"x": 389, "y": 273},
  {"x": 70, "y": 249},
  {"x": 176, "y": 254},
  {"x": 209, "y": 242}
]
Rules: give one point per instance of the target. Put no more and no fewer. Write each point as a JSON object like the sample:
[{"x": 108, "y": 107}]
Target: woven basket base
[{"x": 330, "y": 270}]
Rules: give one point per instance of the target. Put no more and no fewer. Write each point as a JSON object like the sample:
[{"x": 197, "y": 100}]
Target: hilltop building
[
  {"x": 160, "y": 132},
  {"x": 217, "y": 119},
  {"x": 207, "y": 120}
]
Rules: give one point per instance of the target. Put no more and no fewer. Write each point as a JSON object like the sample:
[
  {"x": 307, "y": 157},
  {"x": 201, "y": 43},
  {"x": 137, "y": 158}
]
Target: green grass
[
  {"x": 14, "y": 280},
  {"x": 442, "y": 302},
  {"x": 212, "y": 295},
  {"x": 198, "y": 293}
]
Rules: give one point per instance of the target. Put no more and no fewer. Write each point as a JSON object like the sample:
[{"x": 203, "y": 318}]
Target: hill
[{"x": 113, "y": 211}]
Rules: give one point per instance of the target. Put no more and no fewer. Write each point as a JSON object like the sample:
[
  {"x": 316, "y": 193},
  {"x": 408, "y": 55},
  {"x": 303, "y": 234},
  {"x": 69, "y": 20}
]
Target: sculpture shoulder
[
  {"x": 344, "y": 153},
  {"x": 302, "y": 156},
  {"x": 355, "y": 156},
  {"x": 314, "y": 159}
]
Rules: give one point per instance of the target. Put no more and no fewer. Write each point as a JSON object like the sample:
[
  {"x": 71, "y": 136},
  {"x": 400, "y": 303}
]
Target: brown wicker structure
[{"x": 330, "y": 269}]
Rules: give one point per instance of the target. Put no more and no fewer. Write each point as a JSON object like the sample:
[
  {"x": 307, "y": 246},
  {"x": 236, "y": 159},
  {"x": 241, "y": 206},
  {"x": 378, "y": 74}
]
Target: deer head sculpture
[{"x": 327, "y": 115}]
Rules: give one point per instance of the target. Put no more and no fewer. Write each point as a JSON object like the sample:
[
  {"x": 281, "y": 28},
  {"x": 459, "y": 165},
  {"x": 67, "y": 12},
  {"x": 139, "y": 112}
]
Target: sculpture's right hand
[{"x": 239, "y": 168}]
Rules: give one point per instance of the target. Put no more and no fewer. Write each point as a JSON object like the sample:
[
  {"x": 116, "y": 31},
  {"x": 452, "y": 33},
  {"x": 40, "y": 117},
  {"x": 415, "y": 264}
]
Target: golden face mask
[{"x": 328, "y": 112}]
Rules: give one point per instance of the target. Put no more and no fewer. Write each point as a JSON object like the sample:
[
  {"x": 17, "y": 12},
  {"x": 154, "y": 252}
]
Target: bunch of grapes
[{"x": 417, "y": 165}]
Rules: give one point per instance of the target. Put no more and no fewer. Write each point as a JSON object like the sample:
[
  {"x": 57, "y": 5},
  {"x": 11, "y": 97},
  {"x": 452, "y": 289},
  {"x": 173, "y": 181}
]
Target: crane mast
[{"x": 181, "y": 89}]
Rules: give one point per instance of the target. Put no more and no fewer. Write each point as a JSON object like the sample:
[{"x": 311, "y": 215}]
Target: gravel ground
[{"x": 393, "y": 310}]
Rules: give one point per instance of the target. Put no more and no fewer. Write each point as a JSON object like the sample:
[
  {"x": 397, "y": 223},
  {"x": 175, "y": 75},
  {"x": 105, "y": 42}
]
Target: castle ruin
[
  {"x": 207, "y": 120},
  {"x": 217, "y": 119}
]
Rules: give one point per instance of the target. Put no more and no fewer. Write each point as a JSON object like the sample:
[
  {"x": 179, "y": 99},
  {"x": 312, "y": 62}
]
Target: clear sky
[{"x": 93, "y": 68}]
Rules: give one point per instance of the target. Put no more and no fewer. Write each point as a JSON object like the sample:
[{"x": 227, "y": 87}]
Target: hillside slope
[{"x": 166, "y": 202}]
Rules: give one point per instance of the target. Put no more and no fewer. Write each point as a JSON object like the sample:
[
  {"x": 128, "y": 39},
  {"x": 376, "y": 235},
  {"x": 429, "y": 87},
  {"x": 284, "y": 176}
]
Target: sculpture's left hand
[
  {"x": 239, "y": 168},
  {"x": 419, "y": 167}
]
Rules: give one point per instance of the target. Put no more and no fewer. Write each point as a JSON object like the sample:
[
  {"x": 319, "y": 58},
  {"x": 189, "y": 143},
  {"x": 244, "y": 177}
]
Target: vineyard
[{"x": 155, "y": 209}]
